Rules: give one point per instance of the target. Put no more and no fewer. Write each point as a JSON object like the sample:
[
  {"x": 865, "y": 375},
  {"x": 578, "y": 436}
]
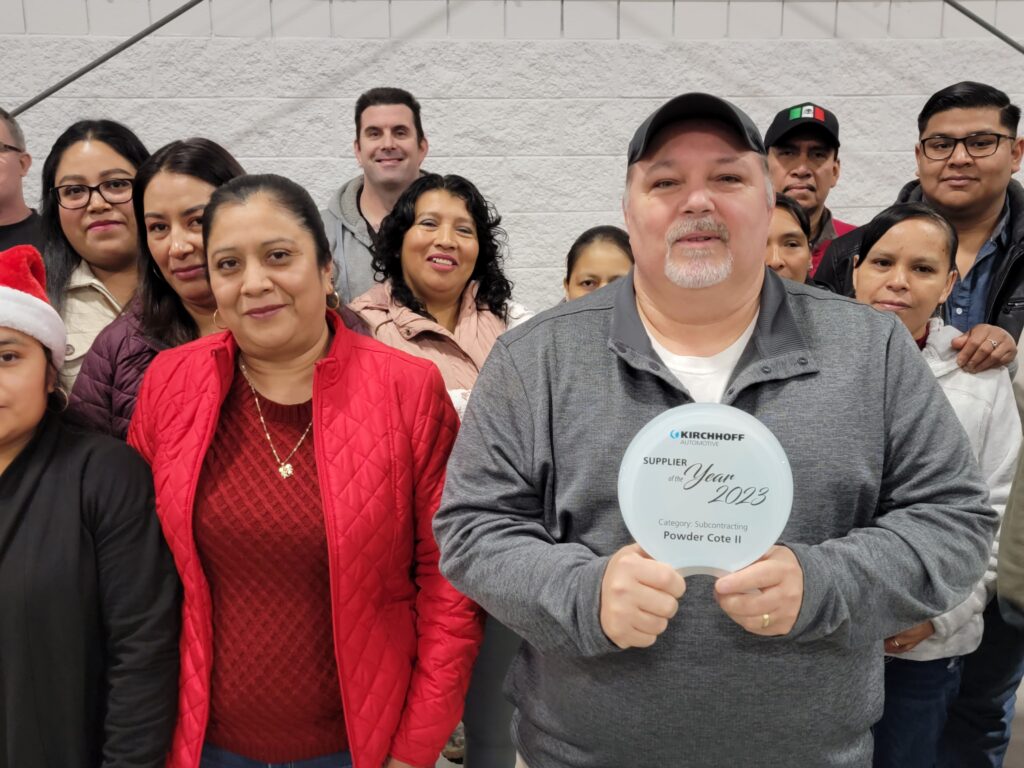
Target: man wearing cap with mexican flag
[
  {"x": 775, "y": 665},
  {"x": 803, "y": 156}
]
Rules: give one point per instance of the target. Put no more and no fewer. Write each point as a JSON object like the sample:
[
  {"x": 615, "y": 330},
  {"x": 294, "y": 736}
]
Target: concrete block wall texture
[{"x": 534, "y": 100}]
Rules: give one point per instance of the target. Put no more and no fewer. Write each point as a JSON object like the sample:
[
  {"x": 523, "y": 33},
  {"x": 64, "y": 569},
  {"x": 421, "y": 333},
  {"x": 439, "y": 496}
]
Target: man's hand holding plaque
[
  {"x": 764, "y": 598},
  {"x": 638, "y": 597}
]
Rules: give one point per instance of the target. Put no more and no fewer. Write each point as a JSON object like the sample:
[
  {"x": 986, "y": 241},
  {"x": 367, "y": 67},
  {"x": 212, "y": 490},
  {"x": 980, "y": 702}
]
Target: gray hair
[
  {"x": 768, "y": 181},
  {"x": 17, "y": 136}
]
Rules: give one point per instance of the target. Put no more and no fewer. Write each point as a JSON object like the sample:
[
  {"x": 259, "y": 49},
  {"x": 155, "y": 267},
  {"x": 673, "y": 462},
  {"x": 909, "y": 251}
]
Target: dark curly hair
[{"x": 494, "y": 290}]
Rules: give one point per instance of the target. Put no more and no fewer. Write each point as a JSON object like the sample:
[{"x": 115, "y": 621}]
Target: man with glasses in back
[
  {"x": 19, "y": 224},
  {"x": 967, "y": 152}
]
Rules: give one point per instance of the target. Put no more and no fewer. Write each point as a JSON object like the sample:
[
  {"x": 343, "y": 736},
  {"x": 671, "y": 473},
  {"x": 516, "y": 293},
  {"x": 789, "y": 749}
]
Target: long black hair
[
  {"x": 60, "y": 258},
  {"x": 163, "y": 315},
  {"x": 875, "y": 229},
  {"x": 494, "y": 291}
]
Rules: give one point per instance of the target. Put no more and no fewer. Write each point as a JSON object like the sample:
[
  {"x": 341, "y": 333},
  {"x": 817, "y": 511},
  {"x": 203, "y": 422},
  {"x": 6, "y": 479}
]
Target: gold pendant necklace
[{"x": 284, "y": 468}]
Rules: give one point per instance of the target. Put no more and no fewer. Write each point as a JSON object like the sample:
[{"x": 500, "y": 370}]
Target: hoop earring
[
  {"x": 215, "y": 323},
  {"x": 337, "y": 300},
  {"x": 65, "y": 400}
]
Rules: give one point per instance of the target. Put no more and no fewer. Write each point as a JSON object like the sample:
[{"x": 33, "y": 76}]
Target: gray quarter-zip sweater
[{"x": 889, "y": 523}]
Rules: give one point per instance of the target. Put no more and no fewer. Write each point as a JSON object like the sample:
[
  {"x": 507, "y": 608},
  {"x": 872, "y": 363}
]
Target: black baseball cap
[
  {"x": 798, "y": 116},
  {"x": 694, "y": 106}
]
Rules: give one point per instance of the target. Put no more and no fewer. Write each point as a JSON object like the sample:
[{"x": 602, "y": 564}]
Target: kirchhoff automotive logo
[{"x": 687, "y": 435}]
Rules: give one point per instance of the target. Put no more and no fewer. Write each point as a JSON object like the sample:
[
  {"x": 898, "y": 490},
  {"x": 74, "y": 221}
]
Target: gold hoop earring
[
  {"x": 337, "y": 300},
  {"x": 65, "y": 400},
  {"x": 215, "y": 323}
]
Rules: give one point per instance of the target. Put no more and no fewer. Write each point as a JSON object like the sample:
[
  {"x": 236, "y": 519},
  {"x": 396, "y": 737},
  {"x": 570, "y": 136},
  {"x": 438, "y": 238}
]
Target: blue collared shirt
[{"x": 966, "y": 305}]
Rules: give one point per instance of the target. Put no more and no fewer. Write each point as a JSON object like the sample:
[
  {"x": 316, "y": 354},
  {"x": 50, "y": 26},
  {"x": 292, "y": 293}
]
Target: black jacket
[
  {"x": 89, "y": 608},
  {"x": 1005, "y": 300}
]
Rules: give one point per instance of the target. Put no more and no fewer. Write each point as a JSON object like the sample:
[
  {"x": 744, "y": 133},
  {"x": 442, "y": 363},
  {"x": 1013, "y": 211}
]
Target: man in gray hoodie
[
  {"x": 780, "y": 663},
  {"x": 390, "y": 147}
]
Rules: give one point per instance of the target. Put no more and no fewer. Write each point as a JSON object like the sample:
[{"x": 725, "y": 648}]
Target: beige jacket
[
  {"x": 458, "y": 355},
  {"x": 88, "y": 308}
]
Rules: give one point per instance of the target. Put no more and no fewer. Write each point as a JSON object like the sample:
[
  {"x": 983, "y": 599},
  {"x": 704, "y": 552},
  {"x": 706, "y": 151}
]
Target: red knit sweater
[{"x": 275, "y": 695}]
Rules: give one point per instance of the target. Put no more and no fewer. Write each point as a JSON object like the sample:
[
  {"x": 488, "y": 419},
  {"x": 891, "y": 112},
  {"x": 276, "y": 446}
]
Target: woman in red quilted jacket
[{"x": 297, "y": 467}]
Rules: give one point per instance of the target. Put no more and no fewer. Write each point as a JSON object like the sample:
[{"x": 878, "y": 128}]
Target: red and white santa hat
[{"x": 23, "y": 303}]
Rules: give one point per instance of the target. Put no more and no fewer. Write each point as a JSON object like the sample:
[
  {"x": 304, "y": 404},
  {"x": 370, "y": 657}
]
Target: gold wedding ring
[{"x": 766, "y": 619}]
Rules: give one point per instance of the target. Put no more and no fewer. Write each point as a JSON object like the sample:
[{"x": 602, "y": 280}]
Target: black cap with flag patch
[
  {"x": 798, "y": 116},
  {"x": 693, "y": 106}
]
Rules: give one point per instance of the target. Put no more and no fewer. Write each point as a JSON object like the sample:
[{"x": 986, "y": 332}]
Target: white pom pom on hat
[{"x": 24, "y": 306}]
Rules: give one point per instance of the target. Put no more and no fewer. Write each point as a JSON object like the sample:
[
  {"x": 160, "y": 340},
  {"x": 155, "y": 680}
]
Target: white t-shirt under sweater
[{"x": 705, "y": 378}]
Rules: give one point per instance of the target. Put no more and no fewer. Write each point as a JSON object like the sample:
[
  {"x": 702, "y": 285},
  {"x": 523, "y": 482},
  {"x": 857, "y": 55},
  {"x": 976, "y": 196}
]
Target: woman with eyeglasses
[
  {"x": 174, "y": 304},
  {"x": 91, "y": 243}
]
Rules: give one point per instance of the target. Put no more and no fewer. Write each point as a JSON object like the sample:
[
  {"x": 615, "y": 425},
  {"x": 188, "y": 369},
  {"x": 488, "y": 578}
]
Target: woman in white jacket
[{"x": 908, "y": 266}]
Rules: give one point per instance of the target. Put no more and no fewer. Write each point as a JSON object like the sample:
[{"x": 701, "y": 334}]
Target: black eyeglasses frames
[
  {"x": 977, "y": 145},
  {"x": 75, "y": 196}
]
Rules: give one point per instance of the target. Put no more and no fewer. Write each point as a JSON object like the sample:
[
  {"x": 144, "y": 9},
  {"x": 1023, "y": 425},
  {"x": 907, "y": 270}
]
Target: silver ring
[{"x": 994, "y": 343}]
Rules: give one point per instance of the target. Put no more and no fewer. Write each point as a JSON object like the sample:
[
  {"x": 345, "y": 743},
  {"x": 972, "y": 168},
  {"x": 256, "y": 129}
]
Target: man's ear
[
  {"x": 355, "y": 151},
  {"x": 1016, "y": 150},
  {"x": 26, "y": 163}
]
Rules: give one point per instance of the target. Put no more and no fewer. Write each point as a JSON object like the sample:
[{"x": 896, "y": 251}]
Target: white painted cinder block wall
[{"x": 534, "y": 100}]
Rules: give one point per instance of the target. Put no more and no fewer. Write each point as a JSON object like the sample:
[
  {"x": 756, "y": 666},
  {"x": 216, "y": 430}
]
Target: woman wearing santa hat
[{"x": 88, "y": 591}]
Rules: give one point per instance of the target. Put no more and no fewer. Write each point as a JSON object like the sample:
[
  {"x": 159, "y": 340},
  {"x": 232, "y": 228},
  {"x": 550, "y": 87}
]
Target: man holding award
[{"x": 699, "y": 417}]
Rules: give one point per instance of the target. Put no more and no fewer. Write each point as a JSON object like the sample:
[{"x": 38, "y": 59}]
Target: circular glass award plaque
[{"x": 706, "y": 488}]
